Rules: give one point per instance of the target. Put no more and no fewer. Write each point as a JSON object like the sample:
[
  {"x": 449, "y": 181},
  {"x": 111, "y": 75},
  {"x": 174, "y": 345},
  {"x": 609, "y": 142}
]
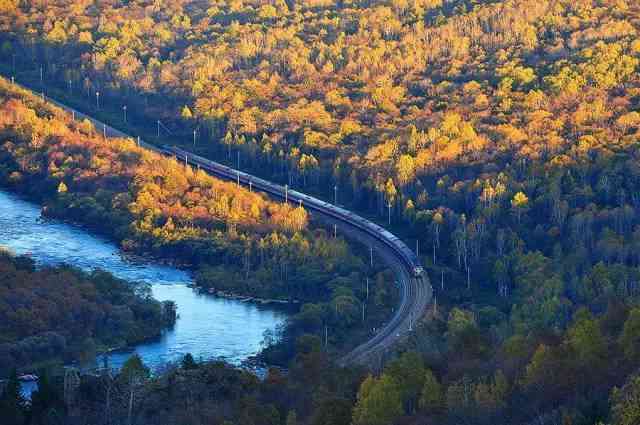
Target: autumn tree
[
  {"x": 408, "y": 371},
  {"x": 630, "y": 337},
  {"x": 626, "y": 403},
  {"x": 519, "y": 204},
  {"x": 379, "y": 401},
  {"x": 431, "y": 398}
]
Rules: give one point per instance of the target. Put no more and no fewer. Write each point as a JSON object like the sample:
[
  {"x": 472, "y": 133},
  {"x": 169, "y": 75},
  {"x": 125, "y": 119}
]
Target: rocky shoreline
[{"x": 244, "y": 298}]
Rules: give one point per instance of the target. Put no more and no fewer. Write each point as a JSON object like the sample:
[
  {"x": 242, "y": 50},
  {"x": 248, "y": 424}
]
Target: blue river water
[{"x": 207, "y": 327}]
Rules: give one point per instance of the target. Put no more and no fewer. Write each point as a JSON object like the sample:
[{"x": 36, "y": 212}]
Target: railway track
[{"x": 415, "y": 289}]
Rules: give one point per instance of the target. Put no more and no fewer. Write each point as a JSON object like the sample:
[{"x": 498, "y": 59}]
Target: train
[{"x": 408, "y": 257}]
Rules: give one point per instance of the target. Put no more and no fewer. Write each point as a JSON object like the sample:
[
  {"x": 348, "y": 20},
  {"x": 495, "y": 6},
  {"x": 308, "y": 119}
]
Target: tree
[
  {"x": 409, "y": 210},
  {"x": 46, "y": 400},
  {"x": 436, "y": 224},
  {"x": 431, "y": 398},
  {"x": 188, "y": 362},
  {"x": 408, "y": 372},
  {"x": 405, "y": 169},
  {"x": 500, "y": 388},
  {"x": 6, "y": 47},
  {"x": 186, "y": 113},
  {"x": 292, "y": 418},
  {"x": 626, "y": 403},
  {"x": 267, "y": 11},
  {"x": 501, "y": 276},
  {"x": 228, "y": 140},
  {"x": 519, "y": 204},
  {"x": 630, "y": 337},
  {"x": 62, "y": 188},
  {"x": 134, "y": 369},
  {"x": 542, "y": 371},
  {"x": 9, "y": 6},
  {"x": 629, "y": 120},
  {"x": 332, "y": 411},
  {"x": 12, "y": 403},
  {"x": 390, "y": 191},
  {"x": 378, "y": 402},
  {"x": 586, "y": 339},
  {"x": 459, "y": 321},
  {"x": 307, "y": 164},
  {"x": 133, "y": 374}
]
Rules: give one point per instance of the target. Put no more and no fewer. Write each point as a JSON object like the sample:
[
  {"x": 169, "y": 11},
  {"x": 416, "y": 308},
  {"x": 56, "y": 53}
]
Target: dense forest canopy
[
  {"x": 385, "y": 90},
  {"x": 503, "y": 135}
]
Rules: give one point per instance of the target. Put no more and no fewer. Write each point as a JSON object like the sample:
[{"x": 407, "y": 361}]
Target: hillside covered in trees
[
  {"x": 503, "y": 135},
  {"x": 153, "y": 204}
]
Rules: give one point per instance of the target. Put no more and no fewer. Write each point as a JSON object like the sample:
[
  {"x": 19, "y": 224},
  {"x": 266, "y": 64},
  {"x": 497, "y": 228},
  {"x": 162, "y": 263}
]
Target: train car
[{"x": 407, "y": 256}]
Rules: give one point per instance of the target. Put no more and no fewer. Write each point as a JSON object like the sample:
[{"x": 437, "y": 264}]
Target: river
[{"x": 207, "y": 327}]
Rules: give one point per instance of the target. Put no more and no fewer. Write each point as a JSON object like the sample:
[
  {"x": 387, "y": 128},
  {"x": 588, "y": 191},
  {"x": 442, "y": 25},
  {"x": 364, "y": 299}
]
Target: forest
[
  {"x": 234, "y": 239},
  {"x": 53, "y": 315},
  {"x": 502, "y": 134},
  {"x": 158, "y": 206}
]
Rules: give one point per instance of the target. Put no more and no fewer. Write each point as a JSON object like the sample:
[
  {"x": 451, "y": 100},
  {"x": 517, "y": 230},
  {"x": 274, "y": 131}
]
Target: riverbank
[
  {"x": 244, "y": 298},
  {"x": 206, "y": 327}
]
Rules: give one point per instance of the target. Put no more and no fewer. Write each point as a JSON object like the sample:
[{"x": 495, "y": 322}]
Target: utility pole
[
  {"x": 73, "y": 115},
  {"x": 335, "y": 231},
  {"x": 238, "y": 174},
  {"x": 250, "y": 185},
  {"x": 194, "y": 138},
  {"x": 69, "y": 86},
  {"x": 98, "y": 100},
  {"x": 335, "y": 194},
  {"x": 158, "y": 130},
  {"x": 286, "y": 193},
  {"x": 41, "y": 76},
  {"x": 124, "y": 111},
  {"x": 138, "y": 141},
  {"x": 389, "y": 205},
  {"x": 186, "y": 161},
  {"x": 363, "y": 305},
  {"x": 104, "y": 131}
]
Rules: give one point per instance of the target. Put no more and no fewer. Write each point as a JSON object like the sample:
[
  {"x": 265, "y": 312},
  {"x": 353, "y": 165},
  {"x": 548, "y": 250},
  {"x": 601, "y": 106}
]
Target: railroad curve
[{"x": 415, "y": 290}]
